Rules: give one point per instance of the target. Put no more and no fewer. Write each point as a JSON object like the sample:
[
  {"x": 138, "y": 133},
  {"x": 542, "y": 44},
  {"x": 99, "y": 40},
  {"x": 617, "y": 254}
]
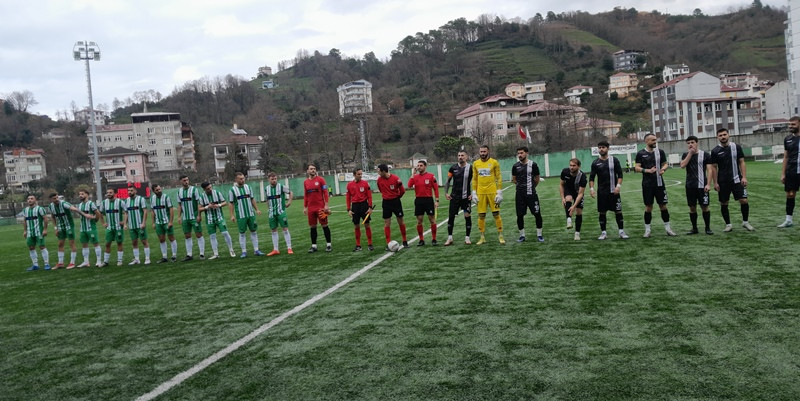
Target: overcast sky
[{"x": 148, "y": 44}]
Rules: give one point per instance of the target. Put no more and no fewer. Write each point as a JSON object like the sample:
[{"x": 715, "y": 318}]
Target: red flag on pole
[
  {"x": 521, "y": 132},
  {"x": 527, "y": 135}
]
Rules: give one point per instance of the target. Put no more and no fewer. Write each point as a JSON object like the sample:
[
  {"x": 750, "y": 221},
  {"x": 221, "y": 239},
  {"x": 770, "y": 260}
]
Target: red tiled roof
[{"x": 16, "y": 151}]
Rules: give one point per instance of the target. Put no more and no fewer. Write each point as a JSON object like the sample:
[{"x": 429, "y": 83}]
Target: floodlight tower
[
  {"x": 355, "y": 99},
  {"x": 86, "y": 51}
]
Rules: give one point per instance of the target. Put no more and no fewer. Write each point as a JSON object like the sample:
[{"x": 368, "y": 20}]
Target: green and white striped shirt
[
  {"x": 136, "y": 209},
  {"x": 88, "y": 207},
  {"x": 216, "y": 197},
  {"x": 188, "y": 199},
  {"x": 276, "y": 198},
  {"x": 113, "y": 211},
  {"x": 240, "y": 198},
  {"x": 34, "y": 220},
  {"x": 161, "y": 208},
  {"x": 62, "y": 215}
]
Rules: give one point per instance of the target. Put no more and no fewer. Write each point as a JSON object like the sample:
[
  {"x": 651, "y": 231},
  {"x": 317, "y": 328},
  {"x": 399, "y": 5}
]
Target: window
[
  {"x": 130, "y": 137},
  {"x": 657, "y": 117},
  {"x": 133, "y": 172},
  {"x": 169, "y": 163},
  {"x": 166, "y": 130},
  {"x": 139, "y": 146},
  {"x": 730, "y": 119},
  {"x": 167, "y": 141},
  {"x": 153, "y": 152},
  {"x": 133, "y": 159},
  {"x": 138, "y": 134},
  {"x": 118, "y": 138},
  {"x": 717, "y": 106},
  {"x": 151, "y": 141},
  {"x": 719, "y": 120},
  {"x": 119, "y": 173},
  {"x": 499, "y": 126},
  {"x": 12, "y": 178},
  {"x": 151, "y": 130},
  {"x": 167, "y": 152}
]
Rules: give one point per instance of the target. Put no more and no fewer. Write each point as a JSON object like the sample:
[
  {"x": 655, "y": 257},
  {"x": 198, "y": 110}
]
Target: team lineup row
[{"x": 468, "y": 185}]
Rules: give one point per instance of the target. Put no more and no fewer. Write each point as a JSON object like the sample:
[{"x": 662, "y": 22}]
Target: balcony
[
  {"x": 117, "y": 178},
  {"x": 112, "y": 166}
]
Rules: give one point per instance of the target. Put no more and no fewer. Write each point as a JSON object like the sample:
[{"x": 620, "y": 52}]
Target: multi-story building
[
  {"x": 627, "y": 60},
  {"x": 355, "y": 97},
  {"x": 240, "y": 143},
  {"x": 493, "y": 117},
  {"x": 623, "y": 83},
  {"x": 264, "y": 71},
  {"x": 692, "y": 104},
  {"x": 120, "y": 165},
  {"x": 776, "y": 102},
  {"x": 743, "y": 80},
  {"x": 168, "y": 142},
  {"x": 672, "y": 71},
  {"x": 85, "y": 117},
  {"x": 530, "y": 91},
  {"x": 597, "y": 126},
  {"x": 574, "y": 93},
  {"x": 23, "y": 166},
  {"x": 792, "y": 40}
]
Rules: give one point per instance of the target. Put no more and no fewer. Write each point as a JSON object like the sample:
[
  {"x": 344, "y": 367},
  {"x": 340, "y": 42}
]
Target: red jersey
[
  {"x": 358, "y": 192},
  {"x": 423, "y": 185},
  {"x": 316, "y": 193},
  {"x": 391, "y": 188}
]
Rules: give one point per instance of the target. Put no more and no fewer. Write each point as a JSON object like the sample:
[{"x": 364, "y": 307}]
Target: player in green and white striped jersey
[
  {"x": 279, "y": 197},
  {"x": 163, "y": 215},
  {"x": 188, "y": 198},
  {"x": 34, "y": 229},
  {"x": 90, "y": 215},
  {"x": 61, "y": 214},
  {"x": 212, "y": 202},
  {"x": 243, "y": 210},
  {"x": 136, "y": 222},
  {"x": 114, "y": 211}
]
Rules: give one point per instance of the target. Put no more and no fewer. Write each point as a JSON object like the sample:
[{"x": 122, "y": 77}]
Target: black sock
[
  {"x": 602, "y": 222},
  {"x": 648, "y": 217},
  {"x": 726, "y": 215},
  {"x": 707, "y": 219},
  {"x": 566, "y": 208},
  {"x": 789, "y": 206},
  {"x": 745, "y": 211},
  {"x": 451, "y": 221},
  {"x": 693, "y": 219},
  {"x": 314, "y": 235},
  {"x": 327, "y": 231},
  {"x": 578, "y": 222},
  {"x": 468, "y": 223},
  {"x": 665, "y": 216},
  {"x": 620, "y": 221},
  {"x": 538, "y": 217},
  {"x": 520, "y": 221}
]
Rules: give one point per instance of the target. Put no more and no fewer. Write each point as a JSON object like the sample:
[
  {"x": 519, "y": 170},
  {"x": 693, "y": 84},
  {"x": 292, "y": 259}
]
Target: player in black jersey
[
  {"x": 729, "y": 174},
  {"x": 460, "y": 174},
  {"x": 790, "y": 172},
  {"x": 571, "y": 188},
  {"x": 608, "y": 171},
  {"x": 652, "y": 163},
  {"x": 695, "y": 162},
  {"x": 525, "y": 174}
]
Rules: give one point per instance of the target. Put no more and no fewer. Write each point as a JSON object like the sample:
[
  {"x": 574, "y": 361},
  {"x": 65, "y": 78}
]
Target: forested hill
[{"x": 420, "y": 87}]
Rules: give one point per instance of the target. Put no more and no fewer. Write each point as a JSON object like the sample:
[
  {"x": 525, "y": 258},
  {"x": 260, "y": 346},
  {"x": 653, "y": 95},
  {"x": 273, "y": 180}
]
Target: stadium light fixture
[{"x": 86, "y": 51}]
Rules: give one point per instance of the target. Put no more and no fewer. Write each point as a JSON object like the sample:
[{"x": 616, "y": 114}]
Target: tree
[
  {"x": 697, "y": 13},
  {"x": 21, "y": 100},
  {"x": 448, "y": 146}
]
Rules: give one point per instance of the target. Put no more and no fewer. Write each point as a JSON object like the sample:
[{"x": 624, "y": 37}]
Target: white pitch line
[{"x": 186, "y": 374}]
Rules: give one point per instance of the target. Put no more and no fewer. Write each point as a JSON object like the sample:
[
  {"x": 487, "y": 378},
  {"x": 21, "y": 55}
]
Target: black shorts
[
  {"x": 575, "y": 196},
  {"x": 527, "y": 202},
  {"x": 657, "y": 193},
  {"x": 460, "y": 204},
  {"x": 424, "y": 206},
  {"x": 392, "y": 207},
  {"x": 360, "y": 211},
  {"x": 726, "y": 189},
  {"x": 697, "y": 195},
  {"x": 608, "y": 202},
  {"x": 792, "y": 182}
]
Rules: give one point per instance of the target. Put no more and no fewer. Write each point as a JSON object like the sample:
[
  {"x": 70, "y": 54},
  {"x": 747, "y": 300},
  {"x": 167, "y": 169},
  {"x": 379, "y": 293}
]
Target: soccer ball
[{"x": 393, "y": 246}]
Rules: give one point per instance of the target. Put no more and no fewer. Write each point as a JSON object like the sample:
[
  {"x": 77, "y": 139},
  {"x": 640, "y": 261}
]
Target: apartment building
[
  {"x": 85, "y": 117},
  {"x": 493, "y": 117},
  {"x": 628, "y": 60},
  {"x": 120, "y": 165},
  {"x": 776, "y": 101},
  {"x": 672, "y": 71},
  {"x": 693, "y": 104},
  {"x": 239, "y": 142},
  {"x": 792, "y": 40},
  {"x": 355, "y": 97},
  {"x": 23, "y": 166},
  {"x": 573, "y": 94},
  {"x": 623, "y": 83}
]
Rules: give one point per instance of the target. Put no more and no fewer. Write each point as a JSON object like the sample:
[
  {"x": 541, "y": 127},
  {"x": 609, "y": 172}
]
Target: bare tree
[{"x": 21, "y": 100}]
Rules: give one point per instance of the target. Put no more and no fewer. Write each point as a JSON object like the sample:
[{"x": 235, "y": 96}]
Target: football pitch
[{"x": 665, "y": 318}]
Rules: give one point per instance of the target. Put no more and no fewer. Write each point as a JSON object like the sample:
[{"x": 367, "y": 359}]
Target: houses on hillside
[{"x": 23, "y": 166}]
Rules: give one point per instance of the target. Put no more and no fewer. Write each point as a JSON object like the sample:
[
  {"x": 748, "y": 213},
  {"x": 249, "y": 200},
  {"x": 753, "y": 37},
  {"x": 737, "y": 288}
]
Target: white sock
[
  {"x": 163, "y": 246},
  {"x": 120, "y": 254},
  {"x": 106, "y": 257},
  {"x": 147, "y": 253},
  {"x": 85, "y": 253},
  {"x": 188, "y": 242},
  {"x": 45, "y": 256},
  {"x": 135, "y": 253},
  {"x": 539, "y": 232},
  {"x": 449, "y": 237},
  {"x": 228, "y": 240},
  {"x": 275, "y": 240},
  {"x": 201, "y": 245},
  {"x": 34, "y": 257},
  {"x": 98, "y": 252},
  {"x": 254, "y": 240},
  {"x": 288, "y": 238},
  {"x": 213, "y": 239},
  {"x": 243, "y": 242},
  {"x": 72, "y": 256},
  {"x": 621, "y": 231},
  {"x": 174, "y": 244},
  {"x": 789, "y": 217},
  {"x": 60, "y": 256},
  {"x": 666, "y": 225},
  {"x": 522, "y": 232},
  {"x": 647, "y": 227}
]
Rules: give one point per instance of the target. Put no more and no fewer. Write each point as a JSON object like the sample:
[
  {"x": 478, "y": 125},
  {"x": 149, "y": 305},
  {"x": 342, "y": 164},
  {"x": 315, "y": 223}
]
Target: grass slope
[
  {"x": 516, "y": 64},
  {"x": 691, "y": 317}
]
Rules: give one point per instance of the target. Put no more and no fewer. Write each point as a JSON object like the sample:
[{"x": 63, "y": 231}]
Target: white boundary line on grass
[{"x": 199, "y": 367}]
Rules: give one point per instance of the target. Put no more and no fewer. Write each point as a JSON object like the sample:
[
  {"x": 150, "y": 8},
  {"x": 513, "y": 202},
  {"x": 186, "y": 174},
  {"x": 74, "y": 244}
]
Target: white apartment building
[
  {"x": 574, "y": 93},
  {"x": 355, "y": 97},
  {"x": 84, "y": 117},
  {"x": 241, "y": 143},
  {"x": 168, "y": 142},
  {"x": 792, "y": 40},
  {"x": 776, "y": 102},
  {"x": 23, "y": 166},
  {"x": 672, "y": 71}
]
